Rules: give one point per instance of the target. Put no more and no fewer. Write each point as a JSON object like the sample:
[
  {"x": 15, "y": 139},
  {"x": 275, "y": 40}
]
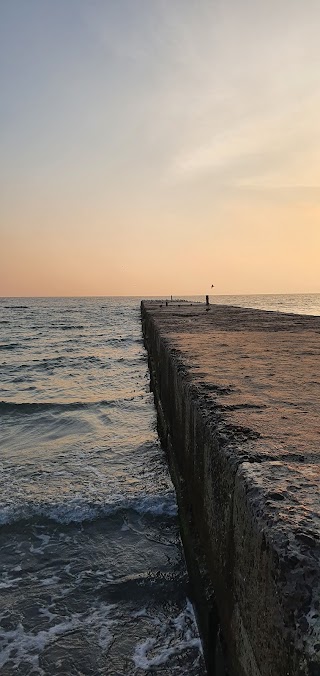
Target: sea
[{"x": 93, "y": 579}]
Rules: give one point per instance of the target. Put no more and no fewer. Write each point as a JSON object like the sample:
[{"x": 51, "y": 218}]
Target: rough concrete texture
[{"x": 238, "y": 397}]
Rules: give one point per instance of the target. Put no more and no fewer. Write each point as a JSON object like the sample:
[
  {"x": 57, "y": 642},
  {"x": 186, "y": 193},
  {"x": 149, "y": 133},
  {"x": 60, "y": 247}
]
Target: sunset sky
[{"x": 159, "y": 146}]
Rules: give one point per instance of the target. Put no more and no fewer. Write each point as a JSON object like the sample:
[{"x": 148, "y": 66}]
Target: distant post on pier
[{"x": 207, "y": 300}]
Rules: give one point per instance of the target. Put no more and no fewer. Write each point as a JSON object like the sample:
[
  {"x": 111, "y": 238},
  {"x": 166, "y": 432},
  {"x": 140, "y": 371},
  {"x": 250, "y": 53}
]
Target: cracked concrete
[{"x": 238, "y": 397}]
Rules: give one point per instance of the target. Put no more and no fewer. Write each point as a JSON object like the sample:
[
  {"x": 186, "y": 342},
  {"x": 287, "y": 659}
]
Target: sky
[{"x": 155, "y": 147}]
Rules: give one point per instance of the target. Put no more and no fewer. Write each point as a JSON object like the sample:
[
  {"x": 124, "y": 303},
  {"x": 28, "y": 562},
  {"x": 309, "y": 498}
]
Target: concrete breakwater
[{"x": 238, "y": 399}]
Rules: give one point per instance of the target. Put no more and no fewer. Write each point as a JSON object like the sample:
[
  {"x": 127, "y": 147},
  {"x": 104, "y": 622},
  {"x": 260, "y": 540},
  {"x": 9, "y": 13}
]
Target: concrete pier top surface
[
  {"x": 258, "y": 377},
  {"x": 262, "y": 368}
]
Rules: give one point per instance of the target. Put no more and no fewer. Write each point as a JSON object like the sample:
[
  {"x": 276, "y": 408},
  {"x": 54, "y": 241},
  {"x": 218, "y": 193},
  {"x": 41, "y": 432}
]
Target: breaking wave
[{"x": 78, "y": 511}]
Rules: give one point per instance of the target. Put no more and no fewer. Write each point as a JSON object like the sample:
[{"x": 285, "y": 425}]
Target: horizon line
[{"x": 167, "y": 296}]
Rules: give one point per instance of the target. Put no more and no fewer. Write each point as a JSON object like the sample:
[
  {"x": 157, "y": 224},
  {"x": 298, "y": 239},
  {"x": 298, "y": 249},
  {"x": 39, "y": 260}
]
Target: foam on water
[
  {"x": 75, "y": 589},
  {"x": 45, "y": 644},
  {"x": 173, "y": 637},
  {"x": 19, "y": 646}
]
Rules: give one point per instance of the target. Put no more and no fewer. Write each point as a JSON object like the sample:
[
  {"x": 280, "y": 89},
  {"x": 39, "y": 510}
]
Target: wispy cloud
[{"x": 271, "y": 151}]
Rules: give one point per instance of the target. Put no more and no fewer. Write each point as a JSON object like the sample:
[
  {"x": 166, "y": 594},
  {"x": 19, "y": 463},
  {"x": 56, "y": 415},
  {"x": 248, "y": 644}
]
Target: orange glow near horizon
[{"x": 269, "y": 252}]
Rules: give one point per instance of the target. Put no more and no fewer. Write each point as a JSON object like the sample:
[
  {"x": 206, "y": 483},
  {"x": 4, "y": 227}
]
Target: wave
[
  {"x": 9, "y": 346},
  {"x": 16, "y": 307},
  {"x": 70, "y": 327},
  {"x": 77, "y": 510},
  {"x": 68, "y": 361},
  {"x": 121, "y": 340},
  {"x": 71, "y": 309},
  {"x": 40, "y": 407},
  {"x": 27, "y": 408}
]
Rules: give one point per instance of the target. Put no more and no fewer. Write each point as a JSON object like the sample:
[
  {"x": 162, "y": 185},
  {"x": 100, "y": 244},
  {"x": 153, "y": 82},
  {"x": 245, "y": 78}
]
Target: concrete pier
[{"x": 238, "y": 399}]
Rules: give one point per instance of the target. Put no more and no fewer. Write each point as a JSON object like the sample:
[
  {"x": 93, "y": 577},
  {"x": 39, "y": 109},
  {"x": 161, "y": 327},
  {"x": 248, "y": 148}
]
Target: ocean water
[
  {"x": 296, "y": 303},
  {"x": 92, "y": 574}
]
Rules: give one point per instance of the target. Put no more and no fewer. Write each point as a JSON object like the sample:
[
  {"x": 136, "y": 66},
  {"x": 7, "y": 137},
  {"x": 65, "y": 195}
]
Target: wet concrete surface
[{"x": 239, "y": 392}]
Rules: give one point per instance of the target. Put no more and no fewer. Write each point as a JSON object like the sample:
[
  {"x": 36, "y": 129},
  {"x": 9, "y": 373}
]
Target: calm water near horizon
[
  {"x": 93, "y": 579},
  {"x": 302, "y": 303}
]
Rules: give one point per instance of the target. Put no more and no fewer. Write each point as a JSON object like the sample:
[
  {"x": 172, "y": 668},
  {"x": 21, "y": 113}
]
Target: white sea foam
[
  {"x": 45, "y": 612},
  {"x": 49, "y": 581},
  {"x": 45, "y": 539},
  {"x": 173, "y": 637},
  {"x": 7, "y": 582},
  {"x": 140, "y": 613},
  {"x": 5, "y": 585},
  {"x": 18, "y": 645},
  {"x": 142, "y": 661}
]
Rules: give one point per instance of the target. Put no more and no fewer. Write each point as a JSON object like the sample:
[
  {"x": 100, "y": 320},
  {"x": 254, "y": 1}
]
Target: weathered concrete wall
[{"x": 246, "y": 476}]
